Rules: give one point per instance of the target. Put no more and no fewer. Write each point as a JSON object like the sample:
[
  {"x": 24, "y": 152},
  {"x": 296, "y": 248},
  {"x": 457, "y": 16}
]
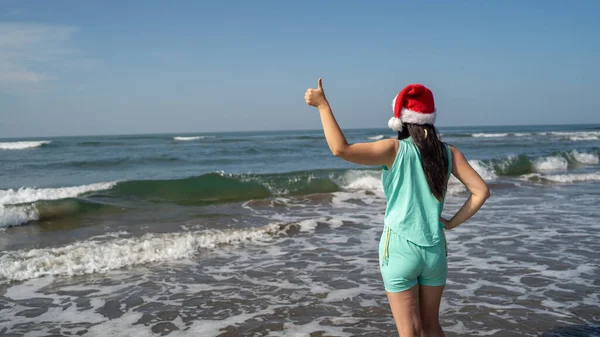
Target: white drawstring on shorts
[{"x": 386, "y": 246}]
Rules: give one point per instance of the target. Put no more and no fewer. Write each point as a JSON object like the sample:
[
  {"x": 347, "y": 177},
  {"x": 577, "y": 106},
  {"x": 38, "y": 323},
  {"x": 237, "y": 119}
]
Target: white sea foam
[
  {"x": 28, "y": 194},
  {"x": 577, "y": 135},
  {"x": 17, "y": 215},
  {"x": 579, "y": 138},
  {"x": 293, "y": 330},
  {"x": 23, "y": 291},
  {"x": 98, "y": 256},
  {"x": 371, "y": 181},
  {"x": 124, "y": 326},
  {"x": 489, "y": 135},
  {"x": 565, "y": 178},
  {"x": 455, "y": 187},
  {"x": 550, "y": 164},
  {"x": 524, "y": 134},
  {"x": 101, "y": 256},
  {"x": 378, "y": 137},
  {"x": 191, "y": 138},
  {"x": 215, "y": 327},
  {"x": 22, "y": 145},
  {"x": 485, "y": 171},
  {"x": 571, "y": 273},
  {"x": 361, "y": 180},
  {"x": 584, "y": 158}
]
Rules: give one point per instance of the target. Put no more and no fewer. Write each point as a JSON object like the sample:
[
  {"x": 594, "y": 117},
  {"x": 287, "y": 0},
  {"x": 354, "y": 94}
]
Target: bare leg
[
  {"x": 429, "y": 304},
  {"x": 405, "y": 309}
]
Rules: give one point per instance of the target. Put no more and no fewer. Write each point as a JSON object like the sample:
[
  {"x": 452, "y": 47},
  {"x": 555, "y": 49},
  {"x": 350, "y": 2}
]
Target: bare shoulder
[
  {"x": 392, "y": 145},
  {"x": 459, "y": 162},
  {"x": 388, "y": 142},
  {"x": 456, "y": 152},
  {"x": 389, "y": 145}
]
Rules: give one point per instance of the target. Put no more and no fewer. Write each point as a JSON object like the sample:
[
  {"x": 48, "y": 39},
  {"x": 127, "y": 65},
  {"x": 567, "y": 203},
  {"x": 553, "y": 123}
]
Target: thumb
[{"x": 320, "y": 84}]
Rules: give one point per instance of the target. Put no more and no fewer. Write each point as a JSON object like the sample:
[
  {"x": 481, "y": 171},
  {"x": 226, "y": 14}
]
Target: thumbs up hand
[{"x": 316, "y": 97}]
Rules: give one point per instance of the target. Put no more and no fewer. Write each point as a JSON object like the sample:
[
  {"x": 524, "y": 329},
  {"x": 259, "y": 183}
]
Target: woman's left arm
[{"x": 382, "y": 152}]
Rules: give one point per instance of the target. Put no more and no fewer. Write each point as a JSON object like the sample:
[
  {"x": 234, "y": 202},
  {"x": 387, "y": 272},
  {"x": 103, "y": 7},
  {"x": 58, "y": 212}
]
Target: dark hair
[{"x": 434, "y": 157}]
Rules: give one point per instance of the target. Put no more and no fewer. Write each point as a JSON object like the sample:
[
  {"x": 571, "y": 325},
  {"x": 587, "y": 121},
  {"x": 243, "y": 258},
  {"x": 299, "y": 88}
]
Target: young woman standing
[{"x": 415, "y": 172}]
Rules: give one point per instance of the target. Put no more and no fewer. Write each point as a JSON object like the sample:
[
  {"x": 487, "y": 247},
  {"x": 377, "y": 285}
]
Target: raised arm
[
  {"x": 381, "y": 152},
  {"x": 462, "y": 170}
]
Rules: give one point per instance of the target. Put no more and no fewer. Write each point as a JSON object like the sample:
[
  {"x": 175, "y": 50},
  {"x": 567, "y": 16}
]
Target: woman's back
[{"x": 412, "y": 211}]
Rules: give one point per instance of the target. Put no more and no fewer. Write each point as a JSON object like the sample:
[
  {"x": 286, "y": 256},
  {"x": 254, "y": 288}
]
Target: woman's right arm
[{"x": 462, "y": 170}]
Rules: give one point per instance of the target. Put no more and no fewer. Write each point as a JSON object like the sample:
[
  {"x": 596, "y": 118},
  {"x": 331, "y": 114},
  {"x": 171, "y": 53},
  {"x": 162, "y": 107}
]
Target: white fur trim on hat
[{"x": 413, "y": 117}]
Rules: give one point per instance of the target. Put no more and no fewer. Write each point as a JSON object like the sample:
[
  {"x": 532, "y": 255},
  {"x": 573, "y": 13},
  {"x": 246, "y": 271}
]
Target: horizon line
[{"x": 283, "y": 130}]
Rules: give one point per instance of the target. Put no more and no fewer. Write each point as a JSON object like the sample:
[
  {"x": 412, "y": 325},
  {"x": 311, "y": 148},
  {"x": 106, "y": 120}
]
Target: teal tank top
[{"x": 412, "y": 211}]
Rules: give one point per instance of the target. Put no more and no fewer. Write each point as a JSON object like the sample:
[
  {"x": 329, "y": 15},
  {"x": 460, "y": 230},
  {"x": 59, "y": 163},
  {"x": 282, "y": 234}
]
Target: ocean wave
[
  {"x": 563, "y": 178},
  {"x": 361, "y": 180},
  {"x": 583, "y": 158},
  {"x": 378, "y": 137},
  {"x": 489, "y": 135},
  {"x": 564, "y": 135},
  {"x": 98, "y": 256},
  {"x": 190, "y": 138},
  {"x": 17, "y": 215},
  {"x": 576, "y": 135},
  {"x": 550, "y": 164},
  {"x": 456, "y": 135},
  {"x": 455, "y": 187},
  {"x": 23, "y": 145},
  {"x": 29, "y": 195},
  {"x": 213, "y": 188},
  {"x": 30, "y": 204},
  {"x": 219, "y": 187},
  {"x": 486, "y": 134},
  {"x": 205, "y": 189},
  {"x": 517, "y": 165},
  {"x": 580, "y": 138},
  {"x": 485, "y": 170}
]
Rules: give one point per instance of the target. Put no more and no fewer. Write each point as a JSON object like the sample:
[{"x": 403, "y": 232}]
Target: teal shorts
[{"x": 404, "y": 264}]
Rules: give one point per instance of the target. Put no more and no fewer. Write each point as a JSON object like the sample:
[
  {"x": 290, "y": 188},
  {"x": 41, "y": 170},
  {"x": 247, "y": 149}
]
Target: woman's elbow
[
  {"x": 340, "y": 153},
  {"x": 481, "y": 194},
  {"x": 485, "y": 193}
]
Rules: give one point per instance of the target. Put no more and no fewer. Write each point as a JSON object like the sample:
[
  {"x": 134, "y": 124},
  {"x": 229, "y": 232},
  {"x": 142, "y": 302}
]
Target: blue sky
[{"x": 116, "y": 67}]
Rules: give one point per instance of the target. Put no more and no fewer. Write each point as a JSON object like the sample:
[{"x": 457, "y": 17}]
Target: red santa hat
[{"x": 414, "y": 104}]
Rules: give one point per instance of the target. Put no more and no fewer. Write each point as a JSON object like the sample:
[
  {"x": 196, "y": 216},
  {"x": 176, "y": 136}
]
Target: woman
[{"x": 415, "y": 172}]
